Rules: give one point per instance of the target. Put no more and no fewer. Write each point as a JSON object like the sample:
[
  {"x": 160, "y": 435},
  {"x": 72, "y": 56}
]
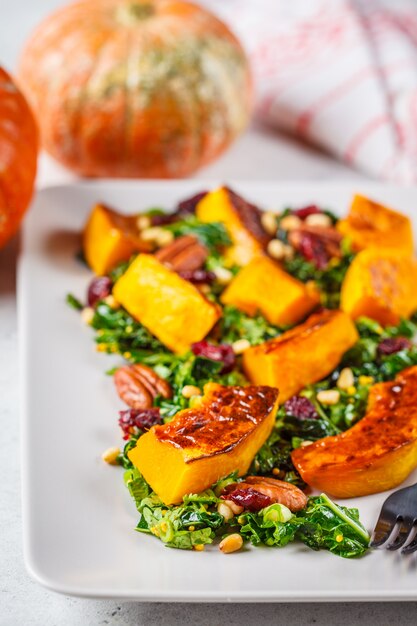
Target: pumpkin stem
[{"x": 135, "y": 11}]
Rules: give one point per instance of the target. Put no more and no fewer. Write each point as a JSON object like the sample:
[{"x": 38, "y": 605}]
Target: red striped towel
[{"x": 340, "y": 74}]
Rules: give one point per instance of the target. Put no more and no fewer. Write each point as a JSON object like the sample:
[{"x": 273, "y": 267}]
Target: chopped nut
[
  {"x": 231, "y": 543},
  {"x": 87, "y": 315},
  {"x": 190, "y": 390},
  {"x": 143, "y": 222},
  {"x": 269, "y": 222},
  {"x": 111, "y": 302},
  {"x": 183, "y": 253},
  {"x": 138, "y": 385},
  {"x": 276, "y": 249},
  {"x": 236, "y": 508},
  {"x": 110, "y": 455},
  {"x": 240, "y": 346},
  {"x": 223, "y": 275},
  {"x": 159, "y": 236},
  {"x": 318, "y": 219},
  {"x": 290, "y": 222},
  {"x": 328, "y": 396},
  {"x": 225, "y": 511},
  {"x": 346, "y": 378}
]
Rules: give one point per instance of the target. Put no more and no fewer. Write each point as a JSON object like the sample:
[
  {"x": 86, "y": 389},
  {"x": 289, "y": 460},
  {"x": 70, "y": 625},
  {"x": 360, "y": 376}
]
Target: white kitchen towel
[{"x": 341, "y": 74}]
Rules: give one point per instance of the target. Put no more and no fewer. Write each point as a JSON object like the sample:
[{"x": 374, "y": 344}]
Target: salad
[{"x": 263, "y": 355}]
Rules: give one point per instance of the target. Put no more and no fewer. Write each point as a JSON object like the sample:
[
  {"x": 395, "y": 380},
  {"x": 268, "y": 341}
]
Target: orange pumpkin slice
[
  {"x": 263, "y": 286},
  {"x": 380, "y": 284},
  {"x": 202, "y": 444},
  {"x": 302, "y": 355},
  {"x": 170, "y": 307},
  {"x": 376, "y": 454},
  {"x": 370, "y": 224},
  {"x": 242, "y": 220},
  {"x": 110, "y": 238}
]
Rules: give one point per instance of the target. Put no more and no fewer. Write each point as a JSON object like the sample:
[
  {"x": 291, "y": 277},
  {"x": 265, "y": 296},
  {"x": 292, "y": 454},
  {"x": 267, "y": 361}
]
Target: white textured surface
[{"x": 22, "y": 601}]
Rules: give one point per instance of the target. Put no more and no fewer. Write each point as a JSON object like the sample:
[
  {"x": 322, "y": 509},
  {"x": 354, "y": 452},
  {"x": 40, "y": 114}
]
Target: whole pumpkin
[
  {"x": 18, "y": 155},
  {"x": 130, "y": 88}
]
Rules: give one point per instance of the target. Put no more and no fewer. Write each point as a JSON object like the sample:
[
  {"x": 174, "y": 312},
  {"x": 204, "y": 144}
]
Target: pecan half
[
  {"x": 138, "y": 386},
  {"x": 278, "y": 491},
  {"x": 184, "y": 253}
]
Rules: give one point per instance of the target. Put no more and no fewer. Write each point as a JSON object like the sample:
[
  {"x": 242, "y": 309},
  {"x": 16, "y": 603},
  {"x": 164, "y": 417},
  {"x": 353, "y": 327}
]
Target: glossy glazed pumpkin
[
  {"x": 131, "y": 88},
  {"x": 18, "y": 154},
  {"x": 202, "y": 444}
]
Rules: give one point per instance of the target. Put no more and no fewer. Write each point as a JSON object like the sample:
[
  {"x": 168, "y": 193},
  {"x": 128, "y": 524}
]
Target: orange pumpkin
[
  {"x": 18, "y": 154},
  {"x": 136, "y": 88}
]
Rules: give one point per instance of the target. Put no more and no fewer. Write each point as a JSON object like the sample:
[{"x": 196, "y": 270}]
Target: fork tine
[
  {"x": 384, "y": 528},
  {"x": 404, "y": 530},
  {"x": 411, "y": 546}
]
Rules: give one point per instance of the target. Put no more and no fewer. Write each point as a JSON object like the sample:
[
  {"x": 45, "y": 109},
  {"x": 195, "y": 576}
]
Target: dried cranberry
[
  {"x": 133, "y": 420},
  {"x": 301, "y": 407},
  {"x": 392, "y": 345},
  {"x": 99, "y": 288},
  {"x": 198, "y": 277},
  {"x": 313, "y": 249},
  {"x": 184, "y": 208},
  {"x": 221, "y": 352},
  {"x": 249, "y": 498},
  {"x": 188, "y": 206},
  {"x": 311, "y": 209}
]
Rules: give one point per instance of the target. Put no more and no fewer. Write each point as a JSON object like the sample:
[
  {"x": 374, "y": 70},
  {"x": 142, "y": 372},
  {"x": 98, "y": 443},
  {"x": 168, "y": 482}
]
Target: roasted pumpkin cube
[
  {"x": 170, "y": 307},
  {"x": 110, "y": 238},
  {"x": 303, "y": 355},
  {"x": 242, "y": 220},
  {"x": 263, "y": 286},
  {"x": 370, "y": 224},
  {"x": 376, "y": 454},
  {"x": 380, "y": 284},
  {"x": 202, "y": 444}
]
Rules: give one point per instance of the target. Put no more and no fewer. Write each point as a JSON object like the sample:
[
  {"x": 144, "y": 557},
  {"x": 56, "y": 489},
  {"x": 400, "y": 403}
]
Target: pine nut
[
  {"x": 346, "y": 378},
  {"x": 110, "y": 455},
  {"x": 156, "y": 234},
  {"x": 111, "y": 302},
  {"x": 290, "y": 222},
  {"x": 165, "y": 238},
  {"x": 240, "y": 346},
  {"x": 236, "y": 508},
  {"x": 288, "y": 252},
  {"x": 143, "y": 222},
  {"x": 305, "y": 443},
  {"x": 223, "y": 275},
  {"x": 190, "y": 390},
  {"x": 276, "y": 249},
  {"x": 231, "y": 543},
  {"x": 328, "y": 396},
  {"x": 318, "y": 219},
  {"x": 225, "y": 511},
  {"x": 269, "y": 222},
  {"x": 87, "y": 315}
]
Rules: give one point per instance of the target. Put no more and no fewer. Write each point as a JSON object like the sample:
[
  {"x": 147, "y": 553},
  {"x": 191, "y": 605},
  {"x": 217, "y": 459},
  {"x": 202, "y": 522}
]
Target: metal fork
[{"x": 397, "y": 523}]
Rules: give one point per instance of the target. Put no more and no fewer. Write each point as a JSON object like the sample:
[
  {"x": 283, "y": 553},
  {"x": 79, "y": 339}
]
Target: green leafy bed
[{"x": 196, "y": 521}]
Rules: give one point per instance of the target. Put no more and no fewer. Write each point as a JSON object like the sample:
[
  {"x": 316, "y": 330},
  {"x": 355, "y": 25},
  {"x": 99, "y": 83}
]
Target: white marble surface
[{"x": 258, "y": 155}]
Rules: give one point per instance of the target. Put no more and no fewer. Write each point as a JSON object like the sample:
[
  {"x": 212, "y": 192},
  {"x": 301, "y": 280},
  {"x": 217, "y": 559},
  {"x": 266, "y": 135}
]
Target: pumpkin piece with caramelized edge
[
  {"x": 110, "y": 238},
  {"x": 377, "y": 453},
  {"x": 242, "y": 221},
  {"x": 303, "y": 355},
  {"x": 202, "y": 444},
  {"x": 380, "y": 284},
  {"x": 263, "y": 286},
  {"x": 370, "y": 224},
  {"x": 170, "y": 307}
]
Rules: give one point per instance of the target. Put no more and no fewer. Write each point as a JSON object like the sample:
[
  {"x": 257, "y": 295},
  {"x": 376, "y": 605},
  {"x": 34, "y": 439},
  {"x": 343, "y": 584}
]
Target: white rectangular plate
[{"x": 79, "y": 521}]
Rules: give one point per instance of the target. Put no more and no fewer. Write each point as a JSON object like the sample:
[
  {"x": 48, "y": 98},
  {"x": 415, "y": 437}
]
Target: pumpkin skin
[
  {"x": 130, "y": 88},
  {"x": 18, "y": 155}
]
